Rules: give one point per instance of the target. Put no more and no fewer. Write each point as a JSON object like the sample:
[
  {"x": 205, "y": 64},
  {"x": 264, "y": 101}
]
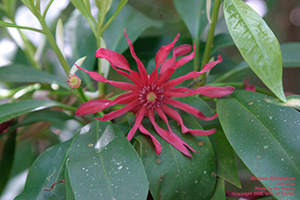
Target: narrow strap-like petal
[
  {"x": 209, "y": 91},
  {"x": 125, "y": 98},
  {"x": 163, "y": 116},
  {"x": 140, "y": 65},
  {"x": 163, "y": 52},
  {"x": 119, "y": 112},
  {"x": 118, "y": 60},
  {"x": 182, "y": 49},
  {"x": 156, "y": 143},
  {"x": 93, "y": 106},
  {"x": 182, "y": 61},
  {"x": 133, "y": 76},
  {"x": 187, "y": 108},
  {"x": 211, "y": 64},
  {"x": 168, "y": 64},
  {"x": 162, "y": 55},
  {"x": 167, "y": 70},
  {"x": 173, "y": 139},
  {"x": 98, "y": 77},
  {"x": 191, "y": 75},
  {"x": 139, "y": 117},
  {"x": 97, "y": 105},
  {"x": 178, "y": 51},
  {"x": 179, "y": 80},
  {"x": 115, "y": 58},
  {"x": 174, "y": 115}
]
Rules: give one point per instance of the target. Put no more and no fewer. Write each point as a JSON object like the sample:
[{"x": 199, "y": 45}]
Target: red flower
[{"x": 153, "y": 93}]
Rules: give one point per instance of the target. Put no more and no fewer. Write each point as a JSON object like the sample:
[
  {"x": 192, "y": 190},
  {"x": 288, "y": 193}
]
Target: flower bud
[{"x": 74, "y": 81}]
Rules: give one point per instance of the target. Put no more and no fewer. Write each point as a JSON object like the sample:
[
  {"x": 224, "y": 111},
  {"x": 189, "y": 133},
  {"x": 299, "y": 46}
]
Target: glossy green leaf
[
  {"x": 134, "y": 23},
  {"x": 193, "y": 13},
  {"x": 69, "y": 190},
  {"x": 24, "y": 156},
  {"x": 173, "y": 175},
  {"x": 52, "y": 116},
  {"x": 256, "y": 43},
  {"x": 102, "y": 164},
  {"x": 47, "y": 169},
  {"x": 15, "y": 109},
  {"x": 263, "y": 135},
  {"x": 7, "y": 154},
  {"x": 18, "y": 73}
]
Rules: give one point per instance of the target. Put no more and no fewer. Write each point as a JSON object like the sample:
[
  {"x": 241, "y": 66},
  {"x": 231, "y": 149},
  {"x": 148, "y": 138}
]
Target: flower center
[{"x": 151, "y": 96}]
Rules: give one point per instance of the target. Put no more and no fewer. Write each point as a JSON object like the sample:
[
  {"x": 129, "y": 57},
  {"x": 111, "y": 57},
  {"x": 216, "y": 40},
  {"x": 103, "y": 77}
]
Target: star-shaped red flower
[{"x": 153, "y": 93}]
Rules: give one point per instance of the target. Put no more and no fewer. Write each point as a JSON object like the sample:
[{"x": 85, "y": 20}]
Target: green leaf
[
  {"x": 193, "y": 13},
  {"x": 134, "y": 23},
  {"x": 290, "y": 58},
  {"x": 7, "y": 155},
  {"x": 263, "y": 135},
  {"x": 79, "y": 4},
  {"x": 225, "y": 157},
  {"x": 219, "y": 193},
  {"x": 102, "y": 164},
  {"x": 15, "y": 109},
  {"x": 257, "y": 44},
  {"x": 173, "y": 175},
  {"x": 47, "y": 169},
  {"x": 18, "y": 73},
  {"x": 54, "y": 117},
  {"x": 25, "y": 155},
  {"x": 69, "y": 191}
]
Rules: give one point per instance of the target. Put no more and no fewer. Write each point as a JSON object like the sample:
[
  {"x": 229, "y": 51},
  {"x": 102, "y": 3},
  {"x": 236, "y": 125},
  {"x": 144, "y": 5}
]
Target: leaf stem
[
  {"x": 120, "y": 6},
  {"x": 66, "y": 107},
  {"x": 12, "y": 25},
  {"x": 46, "y": 9},
  {"x": 81, "y": 94},
  {"x": 209, "y": 41}
]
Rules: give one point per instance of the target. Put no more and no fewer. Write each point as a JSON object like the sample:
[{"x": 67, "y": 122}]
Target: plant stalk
[{"x": 209, "y": 41}]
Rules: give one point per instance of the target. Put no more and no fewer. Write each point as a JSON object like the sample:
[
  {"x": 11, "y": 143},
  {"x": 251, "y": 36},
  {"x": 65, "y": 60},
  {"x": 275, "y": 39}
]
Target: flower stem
[
  {"x": 81, "y": 94},
  {"x": 197, "y": 56},
  {"x": 209, "y": 41},
  {"x": 66, "y": 107}
]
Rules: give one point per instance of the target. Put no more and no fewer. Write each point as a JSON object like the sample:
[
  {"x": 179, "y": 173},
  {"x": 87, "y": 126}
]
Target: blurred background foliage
[{"x": 163, "y": 23}]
